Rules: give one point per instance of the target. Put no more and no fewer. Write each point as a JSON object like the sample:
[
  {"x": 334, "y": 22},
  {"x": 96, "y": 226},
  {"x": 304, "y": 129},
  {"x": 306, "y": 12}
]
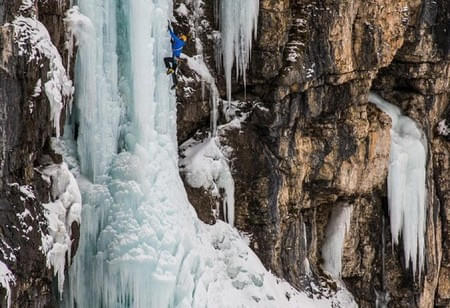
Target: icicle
[
  {"x": 334, "y": 243},
  {"x": 238, "y": 25},
  {"x": 406, "y": 184},
  {"x": 382, "y": 297}
]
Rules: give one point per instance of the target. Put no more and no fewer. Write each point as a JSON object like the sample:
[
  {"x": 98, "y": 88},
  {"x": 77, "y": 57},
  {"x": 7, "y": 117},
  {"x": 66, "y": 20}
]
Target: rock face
[
  {"x": 26, "y": 128},
  {"x": 312, "y": 142}
]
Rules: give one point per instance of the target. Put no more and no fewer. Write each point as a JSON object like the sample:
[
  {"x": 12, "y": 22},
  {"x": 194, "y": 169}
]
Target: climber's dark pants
[{"x": 171, "y": 62}]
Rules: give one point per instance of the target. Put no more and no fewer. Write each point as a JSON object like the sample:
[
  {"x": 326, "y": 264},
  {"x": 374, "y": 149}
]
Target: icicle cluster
[
  {"x": 238, "y": 25},
  {"x": 406, "y": 183}
]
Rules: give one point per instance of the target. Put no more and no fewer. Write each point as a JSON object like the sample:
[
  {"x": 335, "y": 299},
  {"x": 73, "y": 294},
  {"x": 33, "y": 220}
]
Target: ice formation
[
  {"x": 61, "y": 212},
  {"x": 205, "y": 166},
  {"x": 141, "y": 243},
  {"x": 238, "y": 26},
  {"x": 34, "y": 42},
  {"x": 6, "y": 279},
  {"x": 197, "y": 64},
  {"x": 406, "y": 183},
  {"x": 334, "y": 242}
]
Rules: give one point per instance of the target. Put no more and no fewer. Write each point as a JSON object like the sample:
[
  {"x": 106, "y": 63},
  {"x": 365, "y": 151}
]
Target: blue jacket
[{"x": 177, "y": 44}]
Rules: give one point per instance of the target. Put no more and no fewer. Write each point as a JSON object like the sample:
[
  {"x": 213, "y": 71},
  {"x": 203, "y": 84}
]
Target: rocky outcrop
[
  {"x": 312, "y": 142},
  {"x": 26, "y": 127}
]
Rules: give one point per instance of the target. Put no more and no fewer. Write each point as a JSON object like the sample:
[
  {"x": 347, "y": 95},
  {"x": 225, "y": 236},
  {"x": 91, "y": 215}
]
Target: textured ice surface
[
  {"x": 238, "y": 25},
  {"x": 334, "y": 242},
  {"x": 406, "y": 183},
  {"x": 142, "y": 244}
]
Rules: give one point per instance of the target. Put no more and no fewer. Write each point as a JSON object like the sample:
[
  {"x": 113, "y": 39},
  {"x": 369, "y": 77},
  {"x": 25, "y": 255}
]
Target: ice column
[
  {"x": 406, "y": 183},
  {"x": 238, "y": 25},
  {"x": 334, "y": 243},
  {"x": 98, "y": 104}
]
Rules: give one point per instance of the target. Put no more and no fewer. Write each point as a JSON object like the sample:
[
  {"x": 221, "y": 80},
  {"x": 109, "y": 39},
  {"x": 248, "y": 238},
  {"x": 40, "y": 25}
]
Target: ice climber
[{"x": 177, "y": 47}]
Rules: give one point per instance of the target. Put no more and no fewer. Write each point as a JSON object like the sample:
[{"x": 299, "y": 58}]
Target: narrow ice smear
[
  {"x": 34, "y": 42},
  {"x": 332, "y": 249},
  {"x": 238, "y": 26},
  {"x": 197, "y": 64},
  {"x": 406, "y": 183},
  {"x": 6, "y": 279},
  {"x": 61, "y": 212},
  {"x": 141, "y": 243}
]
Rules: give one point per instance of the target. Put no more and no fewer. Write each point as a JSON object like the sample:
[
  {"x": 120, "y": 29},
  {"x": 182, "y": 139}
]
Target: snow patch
[
  {"x": 6, "y": 279},
  {"x": 60, "y": 214},
  {"x": 407, "y": 194},
  {"x": 27, "y": 190},
  {"x": 34, "y": 42},
  {"x": 182, "y": 10},
  {"x": 443, "y": 128},
  {"x": 205, "y": 166}
]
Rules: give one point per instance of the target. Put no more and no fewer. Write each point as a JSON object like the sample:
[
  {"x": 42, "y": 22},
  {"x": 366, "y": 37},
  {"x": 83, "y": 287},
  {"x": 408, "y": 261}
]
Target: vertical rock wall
[
  {"x": 312, "y": 142},
  {"x": 26, "y": 129}
]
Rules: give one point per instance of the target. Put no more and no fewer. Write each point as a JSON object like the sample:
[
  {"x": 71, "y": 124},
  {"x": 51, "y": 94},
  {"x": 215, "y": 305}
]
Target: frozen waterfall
[
  {"x": 141, "y": 243},
  {"x": 406, "y": 183}
]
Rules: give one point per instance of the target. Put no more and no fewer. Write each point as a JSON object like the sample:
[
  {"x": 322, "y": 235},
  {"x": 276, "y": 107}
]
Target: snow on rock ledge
[
  {"x": 205, "y": 166},
  {"x": 6, "y": 279},
  {"x": 34, "y": 42},
  {"x": 61, "y": 212}
]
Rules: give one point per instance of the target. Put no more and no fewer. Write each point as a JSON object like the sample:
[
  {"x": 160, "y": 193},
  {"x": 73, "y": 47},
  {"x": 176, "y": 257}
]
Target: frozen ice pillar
[
  {"x": 406, "y": 183},
  {"x": 333, "y": 246}
]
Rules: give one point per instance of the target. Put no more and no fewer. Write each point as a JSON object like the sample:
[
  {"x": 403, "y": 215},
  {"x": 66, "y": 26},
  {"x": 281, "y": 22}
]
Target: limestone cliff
[{"x": 312, "y": 143}]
